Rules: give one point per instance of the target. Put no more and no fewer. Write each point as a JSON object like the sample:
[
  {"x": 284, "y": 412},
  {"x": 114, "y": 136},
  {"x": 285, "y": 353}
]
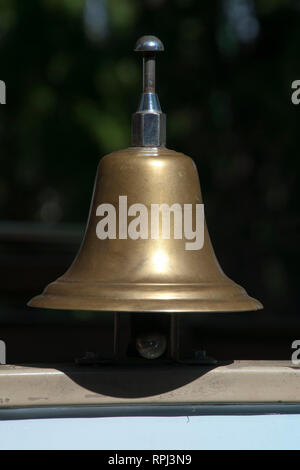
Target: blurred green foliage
[{"x": 225, "y": 82}]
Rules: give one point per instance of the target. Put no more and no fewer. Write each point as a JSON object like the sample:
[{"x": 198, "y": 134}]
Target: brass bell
[{"x": 121, "y": 267}]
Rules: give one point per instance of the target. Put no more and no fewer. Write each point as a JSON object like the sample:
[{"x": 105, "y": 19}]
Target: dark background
[{"x": 224, "y": 81}]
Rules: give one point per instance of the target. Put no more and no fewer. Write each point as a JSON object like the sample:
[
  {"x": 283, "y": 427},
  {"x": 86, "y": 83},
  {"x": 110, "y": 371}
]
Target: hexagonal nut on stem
[{"x": 148, "y": 129}]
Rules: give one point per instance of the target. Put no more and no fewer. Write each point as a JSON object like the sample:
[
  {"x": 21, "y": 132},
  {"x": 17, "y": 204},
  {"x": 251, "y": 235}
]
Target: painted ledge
[{"x": 243, "y": 382}]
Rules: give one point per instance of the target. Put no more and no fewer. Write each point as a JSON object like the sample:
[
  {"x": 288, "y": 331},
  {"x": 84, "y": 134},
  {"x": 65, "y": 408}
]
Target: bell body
[{"x": 145, "y": 275}]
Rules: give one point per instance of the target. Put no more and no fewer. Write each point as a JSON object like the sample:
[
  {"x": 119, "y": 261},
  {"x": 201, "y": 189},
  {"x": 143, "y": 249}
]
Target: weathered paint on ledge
[{"x": 63, "y": 384}]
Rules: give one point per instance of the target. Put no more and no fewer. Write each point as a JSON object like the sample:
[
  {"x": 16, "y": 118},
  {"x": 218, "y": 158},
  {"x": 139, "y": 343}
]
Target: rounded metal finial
[
  {"x": 149, "y": 123},
  {"x": 149, "y": 44}
]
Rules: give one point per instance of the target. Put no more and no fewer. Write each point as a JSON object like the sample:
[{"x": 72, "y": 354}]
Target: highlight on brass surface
[{"x": 154, "y": 274}]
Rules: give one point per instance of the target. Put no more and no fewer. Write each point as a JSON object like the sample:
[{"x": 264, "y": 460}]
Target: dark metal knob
[{"x": 149, "y": 44}]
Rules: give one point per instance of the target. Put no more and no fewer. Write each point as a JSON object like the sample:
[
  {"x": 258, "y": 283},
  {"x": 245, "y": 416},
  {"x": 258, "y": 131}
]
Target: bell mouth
[{"x": 141, "y": 297}]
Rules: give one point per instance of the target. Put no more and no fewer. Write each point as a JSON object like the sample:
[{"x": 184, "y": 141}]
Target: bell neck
[{"x": 149, "y": 122}]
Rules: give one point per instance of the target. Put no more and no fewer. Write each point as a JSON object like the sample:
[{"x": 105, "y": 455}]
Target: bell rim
[
  {"x": 55, "y": 303},
  {"x": 204, "y": 297}
]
